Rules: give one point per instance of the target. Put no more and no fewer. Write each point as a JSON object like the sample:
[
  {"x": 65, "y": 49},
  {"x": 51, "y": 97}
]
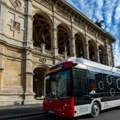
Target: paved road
[{"x": 113, "y": 114}]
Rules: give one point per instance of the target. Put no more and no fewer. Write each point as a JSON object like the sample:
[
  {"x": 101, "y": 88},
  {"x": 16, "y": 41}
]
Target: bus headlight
[{"x": 65, "y": 106}]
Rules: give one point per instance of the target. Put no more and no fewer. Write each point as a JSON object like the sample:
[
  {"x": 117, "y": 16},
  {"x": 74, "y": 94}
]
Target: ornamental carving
[
  {"x": 45, "y": 3},
  {"x": 16, "y": 25},
  {"x": 78, "y": 22},
  {"x": 16, "y": 3},
  {"x": 63, "y": 11},
  {"x": 42, "y": 59}
]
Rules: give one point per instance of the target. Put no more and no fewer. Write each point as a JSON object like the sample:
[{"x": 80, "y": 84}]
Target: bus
[{"x": 76, "y": 87}]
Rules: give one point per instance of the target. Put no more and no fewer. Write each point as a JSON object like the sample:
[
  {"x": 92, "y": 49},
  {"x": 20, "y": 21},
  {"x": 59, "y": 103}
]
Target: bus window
[
  {"x": 99, "y": 83},
  {"x": 80, "y": 77},
  {"x": 107, "y": 84},
  {"x": 58, "y": 84},
  {"x": 117, "y": 85}
]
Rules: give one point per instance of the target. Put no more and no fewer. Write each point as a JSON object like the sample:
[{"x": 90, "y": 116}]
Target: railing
[
  {"x": 37, "y": 49},
  {"x": 61, "y": 55},
  {"x": 48, "y": 52},
  {"x": 44, "y": 51}
]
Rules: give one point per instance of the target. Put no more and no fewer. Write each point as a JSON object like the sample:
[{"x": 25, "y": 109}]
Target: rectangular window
[{"x": 80, "y": 77}]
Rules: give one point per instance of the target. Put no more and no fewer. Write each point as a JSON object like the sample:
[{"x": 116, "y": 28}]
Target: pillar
[
  {"x": 28, "y": 94},
  {"x": 54, "y": 37},
  {"x": 112, "y": 57},
  {"x": 72, "y": 41},
  {"x": 106, "y": 53},
  {"x": 86, "y": 46},
  {"x": 28, "y": 24},
  {"x": 43, "y": 47},
  {"x": 97, "y": 55},
  {"x": 2, "y": 64},
  {"x": 65, "y": 54},
  {"x": 1, "y": 69}
]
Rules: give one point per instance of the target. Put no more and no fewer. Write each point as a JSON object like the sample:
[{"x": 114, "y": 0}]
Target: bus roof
[{"x": 88, "y": 63}]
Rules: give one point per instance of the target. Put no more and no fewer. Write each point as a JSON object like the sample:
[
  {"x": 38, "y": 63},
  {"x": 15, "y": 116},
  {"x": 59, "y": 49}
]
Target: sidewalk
[{"x": 7, "y": 112}]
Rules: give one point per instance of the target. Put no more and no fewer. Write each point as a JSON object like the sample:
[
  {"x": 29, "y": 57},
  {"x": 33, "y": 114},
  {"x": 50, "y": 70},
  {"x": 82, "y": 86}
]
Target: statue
[
  {"x": 42, "y": 38},
  {"x": 81, "y": 52},
  {"x": 100, "y": 23}
]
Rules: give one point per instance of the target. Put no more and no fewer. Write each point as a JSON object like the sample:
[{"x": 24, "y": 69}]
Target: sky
[{"x": 107, "y": 10}]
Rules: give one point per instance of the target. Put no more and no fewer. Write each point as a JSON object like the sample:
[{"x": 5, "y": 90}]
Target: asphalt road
[{"x": 112, "y": 114}]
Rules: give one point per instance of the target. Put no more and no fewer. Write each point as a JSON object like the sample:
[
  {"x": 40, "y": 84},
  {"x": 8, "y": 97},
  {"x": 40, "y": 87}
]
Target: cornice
[
  {"x": 77, "y": 13},
  {"x": 45, "y": 3},
  {"x": 10, "y": 45}
]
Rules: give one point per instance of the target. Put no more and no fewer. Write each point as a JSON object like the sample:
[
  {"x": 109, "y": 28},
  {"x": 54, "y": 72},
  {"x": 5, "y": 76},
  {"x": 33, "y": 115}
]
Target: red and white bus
[{"x": 76, "y": 87}]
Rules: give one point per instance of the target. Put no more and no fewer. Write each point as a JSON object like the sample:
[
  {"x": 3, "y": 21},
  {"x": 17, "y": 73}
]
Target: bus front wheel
[{"x": 95, "y": 110}]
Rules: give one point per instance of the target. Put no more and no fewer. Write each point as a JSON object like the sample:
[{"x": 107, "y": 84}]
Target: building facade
[{"x": 35, "y": 34}]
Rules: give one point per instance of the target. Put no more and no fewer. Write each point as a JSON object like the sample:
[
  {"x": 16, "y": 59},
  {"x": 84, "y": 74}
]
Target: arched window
[
  {"x": 101, "y": 54},
  {"x": 63, "y": 40},
  {"x": 79, "y": 46},
  {"x": 41, "y": 32},
  {"x": 91, "y": 50}
]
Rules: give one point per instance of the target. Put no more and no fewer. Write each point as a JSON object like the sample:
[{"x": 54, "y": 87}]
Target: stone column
[
  {"x": 65, "y": 54},
  {"x": 2, "y": 64},
  {"x": 2, "y": 19},
  {"x": 86, "y": 45},
  {"x": 86, "y": 49},
  {"x": 112, "y": 57},
  {"x": 28, "y": 94},
  {"x": 97, "y": 55},
  {"x": 28, "y": 25},
  {"x": 54, "y": 36},
  {"x": 72, "y": 41},
  {"x": 29, "y": 73},
  {"x": 43, "y": 47},
  {"x": 106, "y": 53},
  {"x": 1, "y": 69}
]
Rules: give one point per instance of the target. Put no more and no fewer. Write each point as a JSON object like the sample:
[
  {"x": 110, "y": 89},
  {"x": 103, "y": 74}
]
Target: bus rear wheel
[{"x": 95, "y": 110}]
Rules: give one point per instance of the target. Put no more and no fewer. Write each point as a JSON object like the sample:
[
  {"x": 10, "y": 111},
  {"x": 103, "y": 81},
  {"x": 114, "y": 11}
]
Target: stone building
[{"x": 35, "y": 34}]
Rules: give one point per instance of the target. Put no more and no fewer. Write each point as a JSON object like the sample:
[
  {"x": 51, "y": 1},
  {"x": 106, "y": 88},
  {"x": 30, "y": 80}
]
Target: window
[
  {"x": 80, "y": 82},
  {"x": 58, "y": 84}
]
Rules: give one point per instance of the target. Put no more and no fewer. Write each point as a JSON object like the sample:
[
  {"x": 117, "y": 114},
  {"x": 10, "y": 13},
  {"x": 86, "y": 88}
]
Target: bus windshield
[{"x": 58, "y": 83}]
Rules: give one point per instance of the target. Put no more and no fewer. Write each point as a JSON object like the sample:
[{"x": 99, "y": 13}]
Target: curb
[{"x": 20, "y": 115}]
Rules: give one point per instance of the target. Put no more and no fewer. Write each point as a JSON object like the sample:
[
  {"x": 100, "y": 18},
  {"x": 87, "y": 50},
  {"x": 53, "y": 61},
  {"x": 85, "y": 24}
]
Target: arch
[
  {"x": 63, "y": 35},
  {"x": 41, "y": 66},
  {"x": 42, "y": 30},
  {"x": 81, "y": 35},
  {"x": 44, "y": 14},
  {"x": 38, "y": 82},
  {"x": 79, "y": 43},
  {"x": 92, "y": 45},
  {"x": 67, "y": 27}
]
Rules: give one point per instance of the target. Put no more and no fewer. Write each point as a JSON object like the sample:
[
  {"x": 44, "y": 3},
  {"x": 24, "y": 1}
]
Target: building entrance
[{"x": 38, "y": 82}]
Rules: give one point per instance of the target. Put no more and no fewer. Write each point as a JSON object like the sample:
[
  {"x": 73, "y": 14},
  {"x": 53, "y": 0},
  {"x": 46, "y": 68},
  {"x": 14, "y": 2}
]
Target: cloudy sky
[{"x": 107, "y": 10}]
